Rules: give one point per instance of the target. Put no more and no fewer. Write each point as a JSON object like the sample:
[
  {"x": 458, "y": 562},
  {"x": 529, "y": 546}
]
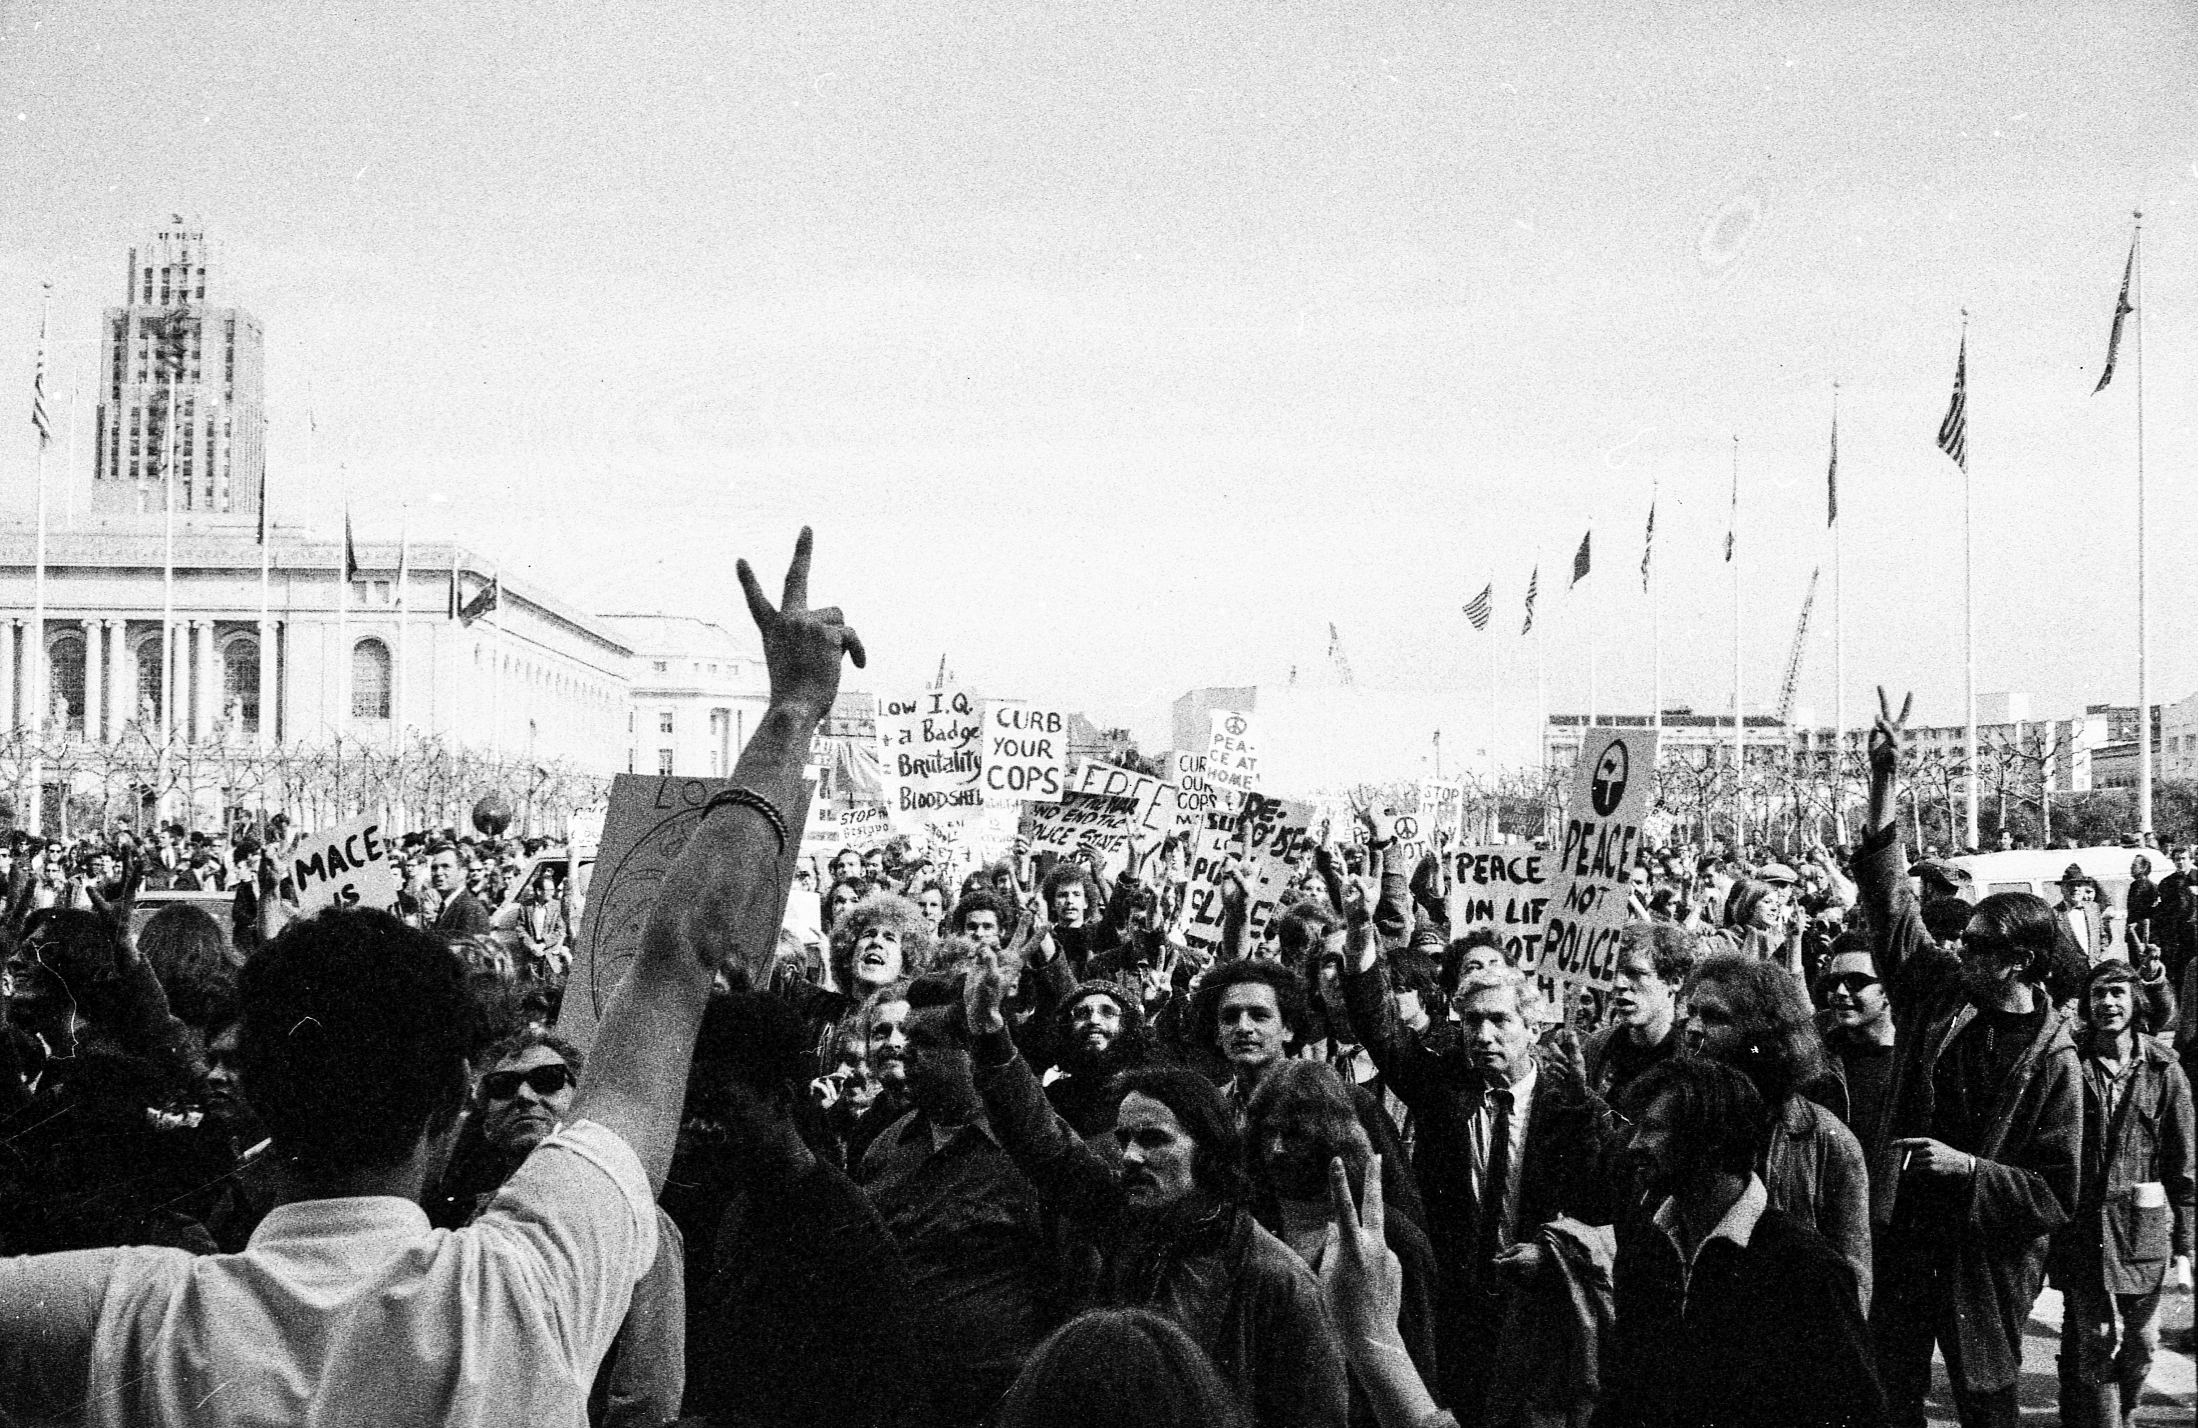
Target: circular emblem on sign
[
  {"x": 1408, "y": 827},
  {"x": 1612, "y": 770},
  {"x": 1235, "y": 725}
]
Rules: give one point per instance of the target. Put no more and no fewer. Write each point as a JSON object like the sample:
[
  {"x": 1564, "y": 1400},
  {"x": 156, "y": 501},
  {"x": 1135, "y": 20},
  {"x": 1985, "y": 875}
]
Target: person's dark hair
[
  {"x": 2113, "y": 969},
  {"x": 1453, "y": 957},
  {"x": 981, "y": 900},
  {"x": 1670, "y": 949},
  {"x": 1289, "y": 990},
  {"x": 1716, "y": 1112},
  {"x": 1311, "y": 1096},
  {"x": 1069, "y": 871},
  {"x": 1945, "y": 917},
  {"x": 78, "y": 948},
  {"x": 754, "y": 1038},
  {"x": 1776, "y": 1021},
  {"x": 354, "y": 1040},
  {"x": 1411, "y": 971},
  {"x": 1300, "y": 931},
  {"x": 933, "y": 990},
  {"x": 2023, "y": 921},
  {"x": 1217, "y": 1146},
  {"x": 190, "y": 955},
  {"x": 1121, "y": 1368},
  {"x": 445, "y": 846}
]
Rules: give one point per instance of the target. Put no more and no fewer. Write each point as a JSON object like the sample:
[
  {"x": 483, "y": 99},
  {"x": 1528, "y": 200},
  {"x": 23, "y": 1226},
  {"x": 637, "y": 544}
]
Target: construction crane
[
  {"x": 1793, "y": 656},
  {"x": 1336, "y": 656}
]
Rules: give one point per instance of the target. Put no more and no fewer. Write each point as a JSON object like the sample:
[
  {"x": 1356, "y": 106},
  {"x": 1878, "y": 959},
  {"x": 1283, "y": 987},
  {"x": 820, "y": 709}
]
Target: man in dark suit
[
  {"x": 1507, "y": 1142},
  {"x": 1730, "y": 1312},
  {"x": 463, "y": 914},
  {"x": 2134, "y": 1200}
]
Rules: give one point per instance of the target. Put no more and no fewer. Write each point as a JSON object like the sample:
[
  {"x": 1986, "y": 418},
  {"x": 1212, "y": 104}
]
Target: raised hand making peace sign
[{"x": 801, "y": 646}]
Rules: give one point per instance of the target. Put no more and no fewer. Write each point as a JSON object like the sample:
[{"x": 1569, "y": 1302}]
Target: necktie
[{"x": 1496, "y": 1183}]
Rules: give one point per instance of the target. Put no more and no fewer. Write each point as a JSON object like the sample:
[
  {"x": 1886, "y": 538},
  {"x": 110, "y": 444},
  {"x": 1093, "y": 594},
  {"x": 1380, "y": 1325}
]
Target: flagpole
[
  {"x": 496, "y": 648},
  {"x": 1969, "y": 601},
  {"x": 404, "y": 575},
  {"x": 1739, "y": 715},
  {"x": 267, "y": 694},
  {"x": 1839, "y": 648},
  {"x": 343, "y": 622},
  {"x": 1592, "y": 627},
  {"x": 68, "y": 510},
  {"x": 1492, "y": 716},
  {"x": 34, "y": 682},
  {"x": 2144, "y": 612},
  {"x": 1656, "y": 617},
  {"x": 168, "y": 590}
]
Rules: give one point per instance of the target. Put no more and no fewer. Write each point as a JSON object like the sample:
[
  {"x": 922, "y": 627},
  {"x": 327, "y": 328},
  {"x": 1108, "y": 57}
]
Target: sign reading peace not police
[{"x": 1611, "y": 791}]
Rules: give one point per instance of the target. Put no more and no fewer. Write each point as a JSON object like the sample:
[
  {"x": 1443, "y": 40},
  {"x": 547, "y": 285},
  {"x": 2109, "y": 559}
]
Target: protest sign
[
  {"x": 1274, "y": 831},
  {"x": 1442, "y": 807},
  {"x": 648, "y": 824},
  {"x": 1154, "y": 799},
  {"x": 1194, "y": 796},
  {"x": 1593, "y": 861},
  {"x": 1503, "y": 887},
  {"x": 1232, "y": 754},
  {"x": 584, "y": 833},
  {"x": 345, "y": 867},
  {"x": 930, "y": 747},
  {"x": 835, "y": 824},
  {"x": 1082, "y": 820},
  {"x": 1025, "y": 753},
  {"x": 1200, "y": 921}
]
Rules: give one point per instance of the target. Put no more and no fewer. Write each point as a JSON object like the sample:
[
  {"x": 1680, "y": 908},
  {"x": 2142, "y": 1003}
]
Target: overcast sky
[{"x": 1117, "y": 349}]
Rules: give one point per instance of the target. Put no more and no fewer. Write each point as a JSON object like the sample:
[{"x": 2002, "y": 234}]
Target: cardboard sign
[
  {"x": 1274, "y": 831},
  {"x": 584, "y": 833},
  {"x": 1200, "y": 921},
  {"x": 1232, "y": 755},
  {"x": 1082, "y": 820},
  {"x": 1504, "y": 886},
  {"x": 1025, "y": 753},
  {"x": 1194, "y": 796},
  {"x": 1442, "y": 807},
  {"x": 1154, "y": 798},
  {"x": 1593, "y": 861},
  {"x": 347, "y": 866},
  {"x": 646, "y": 828},
  {"x": 930, "y": 747}
]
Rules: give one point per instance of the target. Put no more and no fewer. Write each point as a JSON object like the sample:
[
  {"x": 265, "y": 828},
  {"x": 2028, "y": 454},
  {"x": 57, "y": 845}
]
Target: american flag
[
  {"x": 1954, "y": 431},
  {"x": 350, "y": 551},
  {"x": 1648, "y": 546},
  {"x": 2122, "y": 309},
  {"x": 1533, "y": 585},
  {"x": 1478, "y": 610},
  {"x": 44, "y": 424}
]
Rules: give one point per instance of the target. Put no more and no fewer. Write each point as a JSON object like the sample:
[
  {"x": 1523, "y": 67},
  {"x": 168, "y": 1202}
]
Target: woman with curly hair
[{"x": 1754, "y": 1016}]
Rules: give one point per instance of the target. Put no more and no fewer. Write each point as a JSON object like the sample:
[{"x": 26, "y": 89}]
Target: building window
[
  {"x": 240, "y": 682},
  {"x": 147, "y": 712},
  {"x": 660, "y": 666},
  {"x": 370, "y": 680},
  {"x": 664, "y": 721},
  {"x": 664, "y": 762},
  {"x": 66, "y": 661}
]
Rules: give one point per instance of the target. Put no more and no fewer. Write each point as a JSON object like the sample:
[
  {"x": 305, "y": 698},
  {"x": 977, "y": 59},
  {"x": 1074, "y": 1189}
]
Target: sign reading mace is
[
  {"x": 347, "y": 866},
  {"x": 1593, "y": 861}
]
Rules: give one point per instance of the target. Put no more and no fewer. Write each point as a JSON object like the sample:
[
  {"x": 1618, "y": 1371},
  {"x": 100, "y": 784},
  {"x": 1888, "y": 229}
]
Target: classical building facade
[{"x": 698, "y": 690}]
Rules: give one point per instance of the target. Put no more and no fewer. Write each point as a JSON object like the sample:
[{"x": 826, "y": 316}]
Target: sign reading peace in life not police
[{"x": 1611, "y": 792}]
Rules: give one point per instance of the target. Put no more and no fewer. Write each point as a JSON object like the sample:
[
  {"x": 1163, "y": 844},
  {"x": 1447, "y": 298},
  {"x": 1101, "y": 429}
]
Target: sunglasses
[
  {"x": 1983, "y": 945},
  {"x": 1851, "y": 983},
  {"x": 543, "y": 1080}
]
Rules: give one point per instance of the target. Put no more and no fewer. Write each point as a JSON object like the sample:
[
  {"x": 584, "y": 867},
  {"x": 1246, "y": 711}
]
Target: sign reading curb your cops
[
  {"x": 344, "y": 867},
  {"x": 1594, "y": 860}
]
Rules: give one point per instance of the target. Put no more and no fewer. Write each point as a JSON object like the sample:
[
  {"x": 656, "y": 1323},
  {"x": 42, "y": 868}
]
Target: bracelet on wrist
[{"x": 748, "y": 798}]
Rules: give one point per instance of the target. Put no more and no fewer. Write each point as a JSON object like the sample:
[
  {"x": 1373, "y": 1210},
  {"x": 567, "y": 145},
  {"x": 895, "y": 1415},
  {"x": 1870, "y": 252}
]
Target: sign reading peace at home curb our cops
[{"x": 1593, "y": 862}]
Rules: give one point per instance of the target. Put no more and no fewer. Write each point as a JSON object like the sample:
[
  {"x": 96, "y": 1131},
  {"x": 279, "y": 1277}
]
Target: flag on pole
[
  {"x": 1648, "y": 546},
  {"x": 404, "y": 560},
  {"x": 454, "y": 609},
  {"x": 1954, "y": 430},
  {"x": 2122, "y": 309},
  {"x": 350, "y": 551},
  {"x": 1831, "y": 479},
  {"x": 1580, "y": 558},
  {"x": 1533, "y": 585},
  {"x": 1481, "y": 605},
  {"x": 263, "y": 501},
  {"x": 40, "y": 420},
  {"x": 489, "y": 599}
]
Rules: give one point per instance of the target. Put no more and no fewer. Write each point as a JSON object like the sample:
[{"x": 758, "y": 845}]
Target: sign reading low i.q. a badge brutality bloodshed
[
  {"x": 930, "y": 748},
  {"x": 1612, "y": 787}
]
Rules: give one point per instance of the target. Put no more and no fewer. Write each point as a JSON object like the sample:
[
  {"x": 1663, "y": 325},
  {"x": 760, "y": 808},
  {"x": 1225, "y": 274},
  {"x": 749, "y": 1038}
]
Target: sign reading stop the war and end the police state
[
  {"x": 1082, "y": 820},
  {"x": 929, "y": 749},
  {"x": 1025, "y": 753},
  {"x": 1593, "y": 861},
  {"x": 344, "y": 867}
]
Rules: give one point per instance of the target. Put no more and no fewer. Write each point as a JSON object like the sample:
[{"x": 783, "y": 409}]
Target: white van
[{"x": 2039, "y": 870}]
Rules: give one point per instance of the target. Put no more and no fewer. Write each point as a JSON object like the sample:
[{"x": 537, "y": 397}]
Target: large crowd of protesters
[{"x": 1006, "y": 1150}]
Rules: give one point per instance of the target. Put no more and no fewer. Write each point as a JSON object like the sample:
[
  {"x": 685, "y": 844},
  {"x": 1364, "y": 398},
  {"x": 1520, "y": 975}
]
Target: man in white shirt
[{"x": 346, "y": 1307}]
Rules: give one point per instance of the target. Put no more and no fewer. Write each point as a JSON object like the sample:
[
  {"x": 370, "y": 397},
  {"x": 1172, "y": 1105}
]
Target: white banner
[
  {"x": 930, "y": 747},
  {"x": 1232, "y": 754},
  {"x": 1025, "y": 753}
]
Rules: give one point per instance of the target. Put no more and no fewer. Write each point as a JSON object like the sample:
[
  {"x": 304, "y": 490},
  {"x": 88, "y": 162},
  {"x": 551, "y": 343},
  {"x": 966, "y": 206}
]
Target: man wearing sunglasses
[
  {"x": 1859, "y": 1034},
  {"x": 1984, "y": 1113}
]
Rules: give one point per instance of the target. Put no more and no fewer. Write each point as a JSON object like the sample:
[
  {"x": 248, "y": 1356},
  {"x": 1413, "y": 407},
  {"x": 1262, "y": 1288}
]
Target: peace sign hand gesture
[
  {"x": 1889, "y": 734},
  {"x": 801, "y": 646}
]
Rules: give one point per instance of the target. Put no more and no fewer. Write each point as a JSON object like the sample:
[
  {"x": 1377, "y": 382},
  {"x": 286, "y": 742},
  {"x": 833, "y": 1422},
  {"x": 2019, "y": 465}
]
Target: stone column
[
  {"x": 11, "y": 635},
  {"x": 208, "y": 680},
  {"x": 268, "y": 695},
  {"x": 93, "y": 652},
  {"x": 121, "y": 688}
]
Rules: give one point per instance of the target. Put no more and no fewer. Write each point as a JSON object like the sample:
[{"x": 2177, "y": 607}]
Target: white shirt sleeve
[
  {"x": 580, "y": 1220},
  {"x": 49, "y": 1316}
]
